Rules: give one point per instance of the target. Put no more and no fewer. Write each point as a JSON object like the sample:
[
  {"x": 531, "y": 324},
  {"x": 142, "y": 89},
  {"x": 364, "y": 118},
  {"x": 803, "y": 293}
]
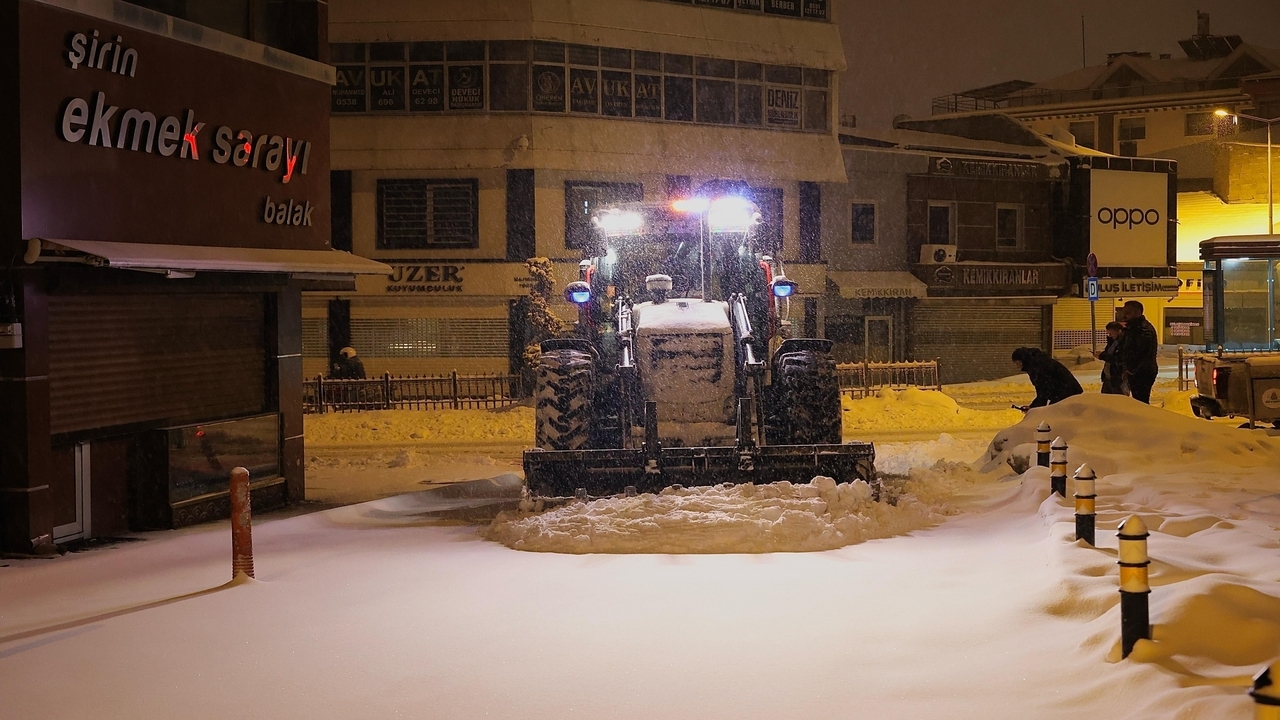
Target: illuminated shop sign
[
  {"x": 94, "y": 121},
  {"x": 130, "y": 135}
]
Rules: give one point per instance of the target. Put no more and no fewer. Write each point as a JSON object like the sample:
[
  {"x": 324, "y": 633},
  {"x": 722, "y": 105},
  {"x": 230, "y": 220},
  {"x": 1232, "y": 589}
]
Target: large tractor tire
[
  {"x": 807, "y": 398},
  {"x": 563, "y": 395}
]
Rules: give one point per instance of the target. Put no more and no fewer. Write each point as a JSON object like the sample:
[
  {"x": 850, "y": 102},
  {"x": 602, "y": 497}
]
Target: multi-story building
[
  {"x": 470, "y": 135},
  {"x": 1160, "y": 107},
  {"x": 160, "y": 212},
  {"x": 955, "y": 237}
]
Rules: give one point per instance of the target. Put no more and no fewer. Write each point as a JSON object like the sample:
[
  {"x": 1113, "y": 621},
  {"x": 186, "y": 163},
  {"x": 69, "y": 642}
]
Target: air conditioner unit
[{"x": 937, "y": 254}]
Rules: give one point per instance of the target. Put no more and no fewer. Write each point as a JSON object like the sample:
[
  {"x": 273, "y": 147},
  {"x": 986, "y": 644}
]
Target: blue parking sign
[{"x": 1091, "y": 288}]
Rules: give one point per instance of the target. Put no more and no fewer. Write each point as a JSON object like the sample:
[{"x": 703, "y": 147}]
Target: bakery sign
[
  {"x": 94, "y": 121},
  {"x": 155, "y": 137}
]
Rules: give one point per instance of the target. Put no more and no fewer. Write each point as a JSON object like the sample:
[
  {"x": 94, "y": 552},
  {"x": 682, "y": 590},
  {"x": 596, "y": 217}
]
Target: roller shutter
[
  {"x": 154, "y": 358},
  {"x": 973, "y": 342},
  {"x": 1071, "y": 322}
]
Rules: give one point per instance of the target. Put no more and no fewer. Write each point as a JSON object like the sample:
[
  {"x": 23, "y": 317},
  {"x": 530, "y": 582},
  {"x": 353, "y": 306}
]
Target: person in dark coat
[
  {"x": 1052, "y": 380},
  {"x": 1113, "y": 372},
  {"x": 1138, "y": 347},
  {"x": 348, "y": 367}
]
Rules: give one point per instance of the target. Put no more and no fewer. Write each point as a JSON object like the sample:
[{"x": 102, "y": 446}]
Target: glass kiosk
[{"x": 1240, "y": 301}]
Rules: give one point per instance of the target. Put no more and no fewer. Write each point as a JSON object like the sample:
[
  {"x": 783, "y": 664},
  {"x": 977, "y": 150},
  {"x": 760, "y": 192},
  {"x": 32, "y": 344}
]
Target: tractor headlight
[
  {"x": 618, "y": 222},
  {"x": 782, "y": 287},
  {"x": 732, "y": 214},
  {"x": 578, "y": 292}
]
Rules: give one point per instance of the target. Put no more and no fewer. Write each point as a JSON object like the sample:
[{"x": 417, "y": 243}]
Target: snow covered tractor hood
[{"x": 684, "y": 353}]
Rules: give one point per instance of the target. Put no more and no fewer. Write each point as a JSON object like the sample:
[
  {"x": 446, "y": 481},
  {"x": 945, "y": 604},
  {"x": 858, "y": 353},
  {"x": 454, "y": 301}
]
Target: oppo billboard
[{"x": 1129, "y": 223}]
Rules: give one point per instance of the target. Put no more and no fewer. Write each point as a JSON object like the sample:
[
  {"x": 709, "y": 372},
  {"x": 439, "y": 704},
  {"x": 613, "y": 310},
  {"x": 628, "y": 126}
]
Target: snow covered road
[{"x": 994, "y": 613}]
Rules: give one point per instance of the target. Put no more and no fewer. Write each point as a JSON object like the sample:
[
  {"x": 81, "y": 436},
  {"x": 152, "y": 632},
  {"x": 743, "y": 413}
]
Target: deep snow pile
[
  {"x": 746, "y": 518},
  {"x": 419, "y": 426},
  {"x": 1113, "y": 432},
  {"x": 917, "y": 409},
  {"x": 1208, "y": 494}
]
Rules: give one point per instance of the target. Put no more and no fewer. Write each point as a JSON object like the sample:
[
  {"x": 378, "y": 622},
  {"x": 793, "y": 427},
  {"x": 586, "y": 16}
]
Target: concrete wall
[{"x": 1240, "y": 174}]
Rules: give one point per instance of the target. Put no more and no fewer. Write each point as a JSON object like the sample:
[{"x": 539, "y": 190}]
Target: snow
[
  {"x": 778, "y": 517},
  {"x": 684, "y": 315},
  {"x": 916, "y": 409},
  {"x": 412, "y": 427},
  {"x": 994, "y": 610}
]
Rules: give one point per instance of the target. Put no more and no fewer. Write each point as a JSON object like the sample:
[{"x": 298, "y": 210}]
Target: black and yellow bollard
[
  {"x": 1085, "y": 496},
  {"x": 1042, "y": 444},
  {"x": 1266, "y": 695},
  {"x": 1058, "y": 466},
  {"x": 1135, "y": 613}
]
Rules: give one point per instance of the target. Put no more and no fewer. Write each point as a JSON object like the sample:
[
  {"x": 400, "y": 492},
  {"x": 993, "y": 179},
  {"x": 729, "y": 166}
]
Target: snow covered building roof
[
  {"x": 995, "y": 136},
  {"x": 1212, "y": 72}
]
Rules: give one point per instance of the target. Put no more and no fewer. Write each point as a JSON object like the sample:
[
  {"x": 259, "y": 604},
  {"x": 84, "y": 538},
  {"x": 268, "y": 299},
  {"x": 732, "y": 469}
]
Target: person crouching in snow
[
  {"x": 1113, "y": 382},
  {"x": 1052, "y": 380}
]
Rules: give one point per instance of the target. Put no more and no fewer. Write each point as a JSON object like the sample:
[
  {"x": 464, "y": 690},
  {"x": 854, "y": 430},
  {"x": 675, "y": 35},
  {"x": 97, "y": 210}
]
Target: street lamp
[{"x": 1271, "y": 220}]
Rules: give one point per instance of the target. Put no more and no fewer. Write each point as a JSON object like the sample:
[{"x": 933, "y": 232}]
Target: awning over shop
[
  {"x": 882, "y": 284},
  {"x": 203, "y": 258}
]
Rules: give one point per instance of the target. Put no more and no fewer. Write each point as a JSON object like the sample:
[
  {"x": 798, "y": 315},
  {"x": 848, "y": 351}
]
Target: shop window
[
  {"x": 941, "y": 224},
  {"x": 425, "y": 52},
  {"x": 750, "y": 71},
  {"x": 509, "y": 86},
  {"x": 519, "y": 75},
  {"x": 1085, "y": 132},
  {"x": 1008, "y": 226},
  {"x": 426, "y": 214},
  {"x": 386, "y": 52},
  {"x": 615, "y": 58},
  {"x": 1199, "y": 123},
  {"x": 582, "y": 199},
  {"x": 677, "y": 94},
  {"x": 815, "y": 110},
  {"x": 715, "y": 101},
  {"x": 509, "y": 50},
  {"x": 749, "y": 103},
  {"x": 714, "y": 67},
  {"x": 863, "y": 221},
  {"x": 466, "y": 51}
]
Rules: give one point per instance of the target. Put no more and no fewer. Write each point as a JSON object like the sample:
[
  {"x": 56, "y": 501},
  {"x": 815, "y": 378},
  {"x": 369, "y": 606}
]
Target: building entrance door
[
  {"x": 879, "y": 338},
  {"x": 71, "y": 493}
]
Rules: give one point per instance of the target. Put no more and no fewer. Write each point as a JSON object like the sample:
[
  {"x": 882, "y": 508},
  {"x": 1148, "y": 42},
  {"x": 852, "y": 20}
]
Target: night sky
[{"x": 902, "y": 53}]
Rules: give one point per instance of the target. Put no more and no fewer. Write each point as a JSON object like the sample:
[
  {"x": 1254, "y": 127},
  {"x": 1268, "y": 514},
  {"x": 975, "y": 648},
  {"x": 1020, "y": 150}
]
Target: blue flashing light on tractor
[
  {"x": 578, "y": 293},
  {"x": 782, "y": 287}
]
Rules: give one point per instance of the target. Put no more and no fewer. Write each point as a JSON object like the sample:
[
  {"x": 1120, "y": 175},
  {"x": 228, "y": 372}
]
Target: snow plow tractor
[{"x": 680, "y": 371}]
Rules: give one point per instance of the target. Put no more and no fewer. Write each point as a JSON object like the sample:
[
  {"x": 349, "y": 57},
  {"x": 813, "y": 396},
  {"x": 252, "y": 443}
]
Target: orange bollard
[{"x": 241, "y": 524}]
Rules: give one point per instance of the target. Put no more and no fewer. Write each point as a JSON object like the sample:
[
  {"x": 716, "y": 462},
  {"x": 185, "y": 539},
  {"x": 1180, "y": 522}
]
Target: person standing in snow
[
  {"x": 1052, "y": 380},
  {"x": 1112, "y": 371},
  {"x": 1138, "y": 347},
  {"x": 348, "y": 367}
]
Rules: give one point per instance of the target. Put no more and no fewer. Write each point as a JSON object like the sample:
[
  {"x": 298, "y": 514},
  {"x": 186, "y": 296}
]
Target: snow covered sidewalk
[{"x": 994, "y": 613}]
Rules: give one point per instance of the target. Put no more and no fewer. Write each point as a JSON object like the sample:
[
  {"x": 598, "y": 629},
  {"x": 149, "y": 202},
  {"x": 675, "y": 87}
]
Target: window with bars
[
  {"x": 315, "y": 337},
  {"x": 430, "y": 337},
  {"x": 418, "y": 214}
]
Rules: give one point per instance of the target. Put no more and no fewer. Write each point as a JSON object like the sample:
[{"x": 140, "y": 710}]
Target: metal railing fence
[
  {"x": 426, "y": 392},
  {"x": 864, "y": 378}
]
